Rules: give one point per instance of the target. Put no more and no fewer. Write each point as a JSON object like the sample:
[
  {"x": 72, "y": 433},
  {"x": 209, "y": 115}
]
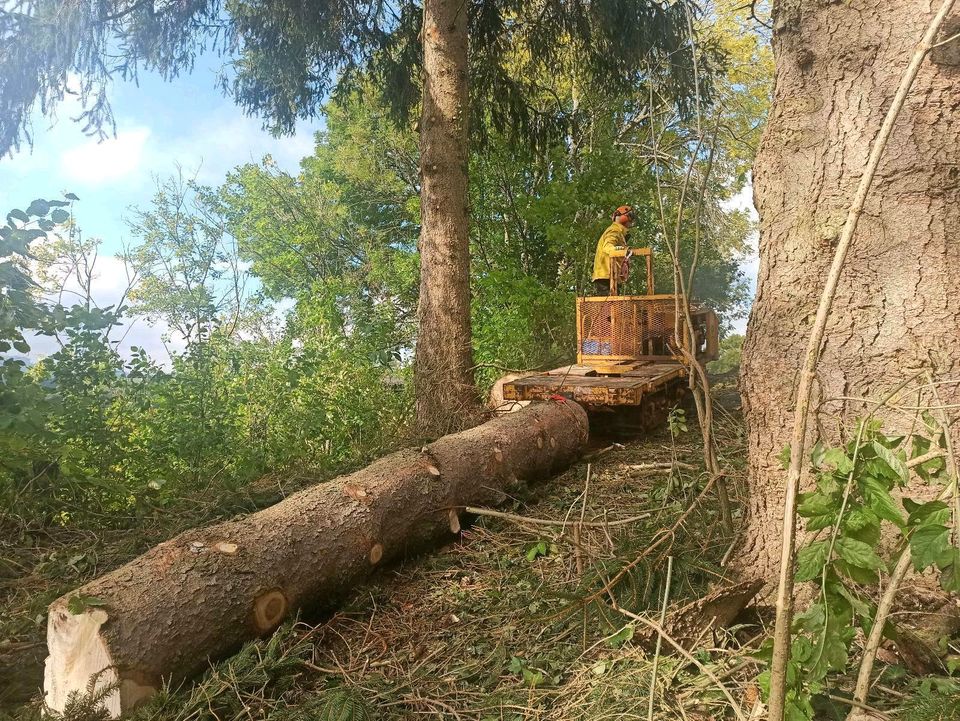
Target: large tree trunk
[
  {"x": 203, "y": 593},
  {"x": 838, "y": 66},
  {"x": 446, "y": 396}
]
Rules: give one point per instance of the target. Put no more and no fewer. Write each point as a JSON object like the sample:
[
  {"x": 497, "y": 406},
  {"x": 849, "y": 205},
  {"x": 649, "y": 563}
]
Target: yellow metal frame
[
  {"x": 606, "y": 363},
  {"x": 615, "y": 255}
]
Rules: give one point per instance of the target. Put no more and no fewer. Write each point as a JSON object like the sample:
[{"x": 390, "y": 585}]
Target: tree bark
[
  {"x": 203, "y": 593},
  {"x": 446, "y": 395},
  {"x": 838, "y": 67}
]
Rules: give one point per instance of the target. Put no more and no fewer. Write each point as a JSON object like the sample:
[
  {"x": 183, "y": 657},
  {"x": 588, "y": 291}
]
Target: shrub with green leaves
[{"x": 851, "y": 508}]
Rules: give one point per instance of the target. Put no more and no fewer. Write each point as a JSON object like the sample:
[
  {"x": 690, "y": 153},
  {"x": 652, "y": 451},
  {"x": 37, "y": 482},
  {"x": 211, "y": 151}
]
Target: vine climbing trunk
[
  {"x": 446, "y": 395},
  {"x": 838, "y": 69},
  {"x": 201, "y": 594}
]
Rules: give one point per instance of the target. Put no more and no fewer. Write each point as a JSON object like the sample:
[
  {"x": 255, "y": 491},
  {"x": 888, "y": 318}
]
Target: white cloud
[
  {"x": 109, "y": 161},
  {"x": 221, "y": 142},
  {"x": 742, "y": 201},
  {"x": 109, "y": 284},
  {"x": 750, "y": 261}
]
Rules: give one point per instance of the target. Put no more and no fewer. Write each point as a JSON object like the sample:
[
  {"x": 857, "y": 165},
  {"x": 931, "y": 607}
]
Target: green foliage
[
  {"x": 93, "y": 435},
  {"x": 80, "y": 603},
  {"x": 345, "y": 704},
  {"x": 933, "y": 702},
  {"x": 251, "y": 683},
  {"x": 731, "y": 348},
  {"x": 846, "y": 514},
  {"x": 287, "y": 58},
  {"x": 677, "y": 421}
]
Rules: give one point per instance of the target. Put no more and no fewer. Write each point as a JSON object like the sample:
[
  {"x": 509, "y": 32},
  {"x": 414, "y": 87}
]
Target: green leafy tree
[{"x": 287, "y": 56}]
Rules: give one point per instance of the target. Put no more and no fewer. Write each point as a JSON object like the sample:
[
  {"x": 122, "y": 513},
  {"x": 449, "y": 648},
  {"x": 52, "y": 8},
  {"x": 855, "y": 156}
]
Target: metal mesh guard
[{"x": 625, "y": 327}]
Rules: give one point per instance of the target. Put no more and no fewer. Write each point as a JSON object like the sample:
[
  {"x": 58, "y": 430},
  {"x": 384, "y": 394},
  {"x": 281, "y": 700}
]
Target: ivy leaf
[
  {"x": 784, "y": 457},
  {"x": 857, "y": 553},
  {"x": 927, "y": 543},
  {"x": 59, "y": 216},
  {"x": 810, "y": 560},
  {"x": 537, "y": 550},
  {"x": 70, "y": 196},
  {"x": 19, "y": 215},
  {"x": 893, "y": 461},
  {"x": 880, "y": 501},
  {"x": 816, "y": 454},
  {"x": 620, "y": 637}
]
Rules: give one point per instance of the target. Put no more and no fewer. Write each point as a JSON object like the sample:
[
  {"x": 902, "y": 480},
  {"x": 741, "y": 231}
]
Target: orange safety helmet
[{"x": 624, "y": 210}]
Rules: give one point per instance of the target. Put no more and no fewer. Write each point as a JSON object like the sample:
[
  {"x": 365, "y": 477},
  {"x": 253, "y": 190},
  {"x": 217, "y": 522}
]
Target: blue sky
[{"x": 159, "y": 125}]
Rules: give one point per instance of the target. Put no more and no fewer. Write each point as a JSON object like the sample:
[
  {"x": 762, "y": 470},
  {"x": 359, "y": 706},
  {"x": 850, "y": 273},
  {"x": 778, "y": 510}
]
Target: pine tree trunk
[
  {"x": 201, "y": 594},
  {"x": 446, "y": 396},
  {"x": 838, "y": 66}
]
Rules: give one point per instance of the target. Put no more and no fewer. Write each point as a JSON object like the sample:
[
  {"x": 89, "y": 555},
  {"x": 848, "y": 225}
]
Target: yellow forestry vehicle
[{"x": 630, "y": 370}]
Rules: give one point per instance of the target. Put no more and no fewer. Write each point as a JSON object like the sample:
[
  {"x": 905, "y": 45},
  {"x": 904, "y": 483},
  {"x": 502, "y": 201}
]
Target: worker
[{"x": 613, "y": 238}]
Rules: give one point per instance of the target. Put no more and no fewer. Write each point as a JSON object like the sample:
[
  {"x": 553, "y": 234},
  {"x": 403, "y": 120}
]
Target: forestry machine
[{"x": 630, "y": 370}]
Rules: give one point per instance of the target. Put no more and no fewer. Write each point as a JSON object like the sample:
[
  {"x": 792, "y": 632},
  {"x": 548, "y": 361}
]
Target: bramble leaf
[
  {"x": 810, "y": 560},
  {"x": 927, "y": 543},
  {"x": 880, "y": 501},
  {"x": 950, "y": 575},
  {"x": 929, "y": 512},
  {"x": 837, "y": 458},
  {"x": 38, "y": 207},
  {"x": 816, "y": 523},
  {"x": 860, "y": 518},
  {"x": 815, "y": 504},
  {"x": 858, "y": 553},
  {"x": 893, "y": 461}
]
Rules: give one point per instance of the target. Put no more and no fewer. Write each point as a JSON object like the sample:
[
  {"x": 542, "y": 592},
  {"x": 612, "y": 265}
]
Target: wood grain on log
[{"x": 204, "y": 592}]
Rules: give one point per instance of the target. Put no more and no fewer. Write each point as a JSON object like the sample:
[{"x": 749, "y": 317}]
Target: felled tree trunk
[{"x": 203, "y": 593}]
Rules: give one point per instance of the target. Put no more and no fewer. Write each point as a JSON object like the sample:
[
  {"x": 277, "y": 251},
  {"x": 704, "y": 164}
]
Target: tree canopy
[{"x": 283, "y": 59}]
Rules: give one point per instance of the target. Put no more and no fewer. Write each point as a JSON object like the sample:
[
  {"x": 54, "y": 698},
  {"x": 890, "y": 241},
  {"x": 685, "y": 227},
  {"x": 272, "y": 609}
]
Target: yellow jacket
[{"x": 613, "y": 238}]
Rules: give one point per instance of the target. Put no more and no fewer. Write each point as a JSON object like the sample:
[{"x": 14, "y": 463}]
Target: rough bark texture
[
  {"x": 206, "y": 591},
  {"x": 838, "y": 66},
  {"x": 446, "y": 396}
]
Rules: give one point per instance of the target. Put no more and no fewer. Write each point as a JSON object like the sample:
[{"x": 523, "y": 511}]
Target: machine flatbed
[
  {"x": 633, "y": 353},
  {"x": 584, "y": 384}
]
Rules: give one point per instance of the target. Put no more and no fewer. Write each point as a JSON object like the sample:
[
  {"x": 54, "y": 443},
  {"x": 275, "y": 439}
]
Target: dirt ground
[{"x": 526, "y": 616}]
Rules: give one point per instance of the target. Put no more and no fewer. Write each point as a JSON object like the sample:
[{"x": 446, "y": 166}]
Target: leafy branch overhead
[{"x": 286, "y": 58}]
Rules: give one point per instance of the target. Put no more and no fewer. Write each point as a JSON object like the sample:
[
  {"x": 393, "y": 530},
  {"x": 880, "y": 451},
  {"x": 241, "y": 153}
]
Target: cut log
[{"x": 201, "y": 594}]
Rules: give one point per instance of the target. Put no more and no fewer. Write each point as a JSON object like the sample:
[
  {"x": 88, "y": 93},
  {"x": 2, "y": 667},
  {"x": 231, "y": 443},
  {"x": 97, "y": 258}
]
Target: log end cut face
[{"x": 79, "y": 660}]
